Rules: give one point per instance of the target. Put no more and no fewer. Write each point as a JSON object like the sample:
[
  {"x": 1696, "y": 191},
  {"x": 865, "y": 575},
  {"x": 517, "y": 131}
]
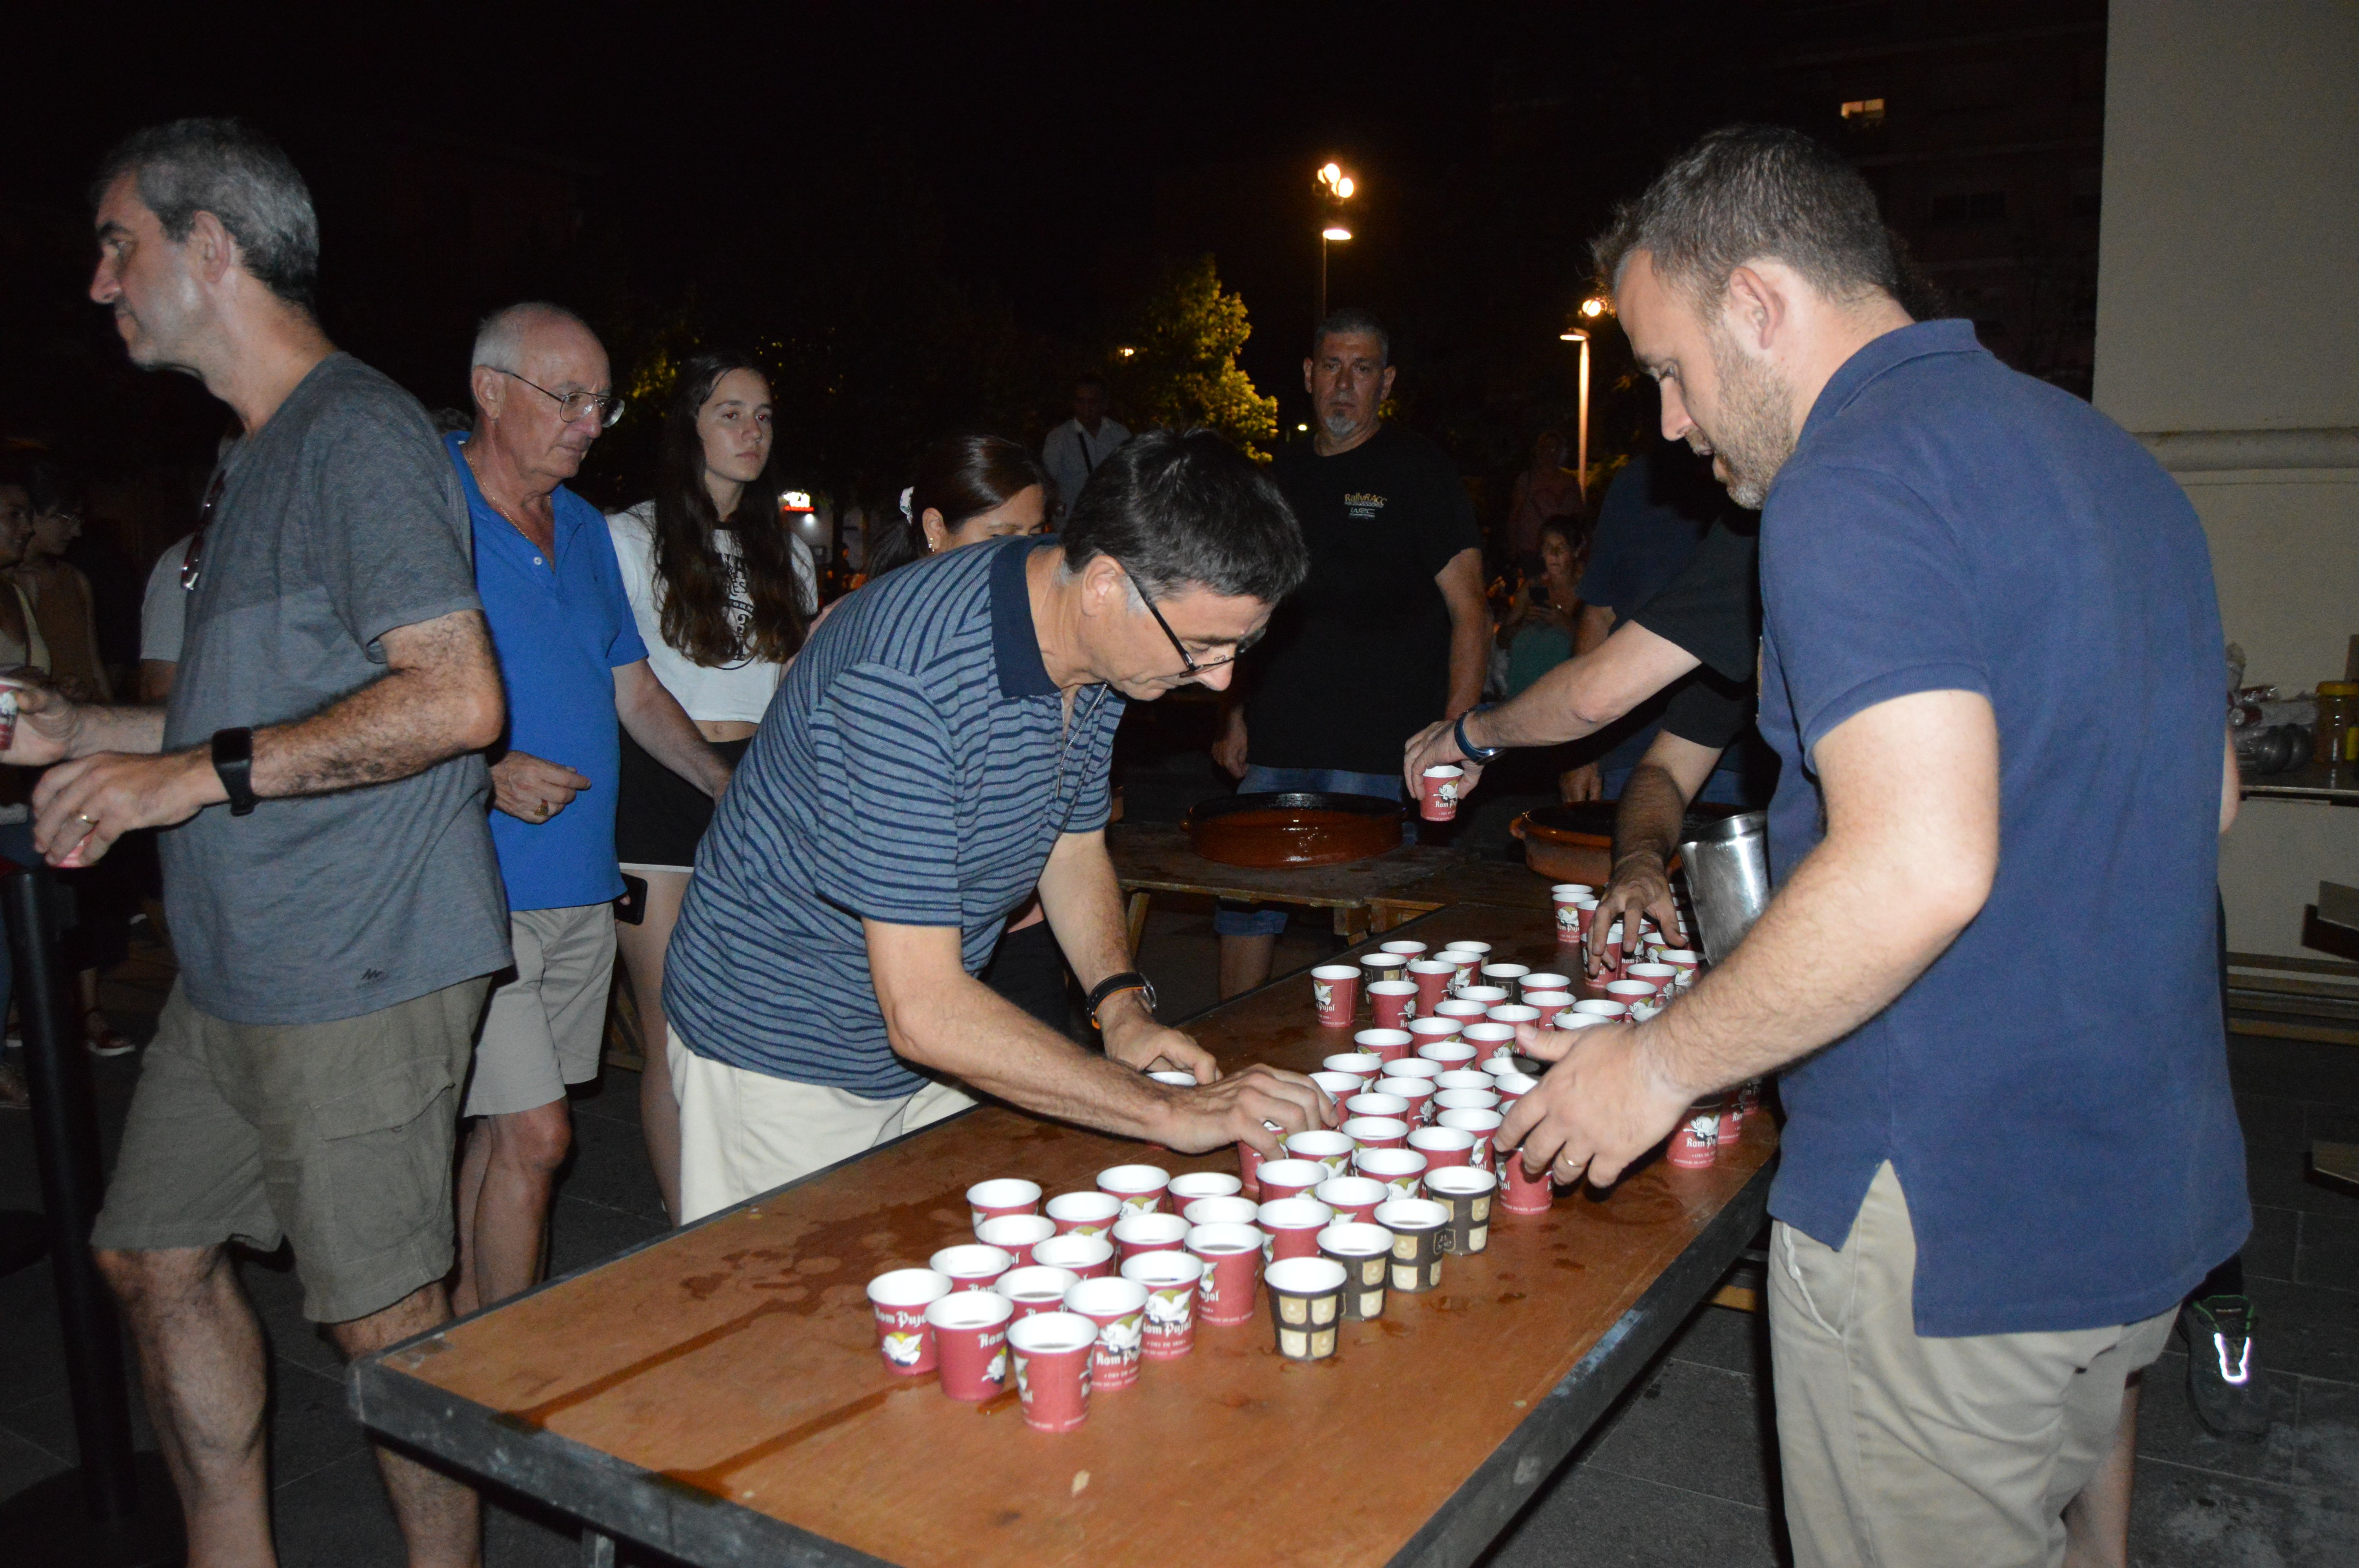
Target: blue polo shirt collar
[
  {"x": 1015, "y": 643},
  {"x": 570, "y": 512},
  {"x": 1917, "y": 341}
]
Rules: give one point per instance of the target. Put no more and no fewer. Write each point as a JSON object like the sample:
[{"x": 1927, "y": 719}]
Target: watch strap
[
  {"x": 1472, "y": 753},
  {"x": 233, "y": 757},
  {"x": 1114, "y": 986}
]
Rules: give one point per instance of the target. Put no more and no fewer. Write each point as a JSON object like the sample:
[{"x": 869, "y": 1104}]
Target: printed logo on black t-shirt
[{"x": 1362, "y": 506}]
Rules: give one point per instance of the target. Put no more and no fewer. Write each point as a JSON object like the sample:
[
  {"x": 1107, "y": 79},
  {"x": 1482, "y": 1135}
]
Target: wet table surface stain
[{"x": 738, "y": 1358}]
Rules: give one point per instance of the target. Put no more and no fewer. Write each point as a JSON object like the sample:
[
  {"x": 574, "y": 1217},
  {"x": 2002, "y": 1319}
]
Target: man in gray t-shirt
[{"x": 328, "y": 868}]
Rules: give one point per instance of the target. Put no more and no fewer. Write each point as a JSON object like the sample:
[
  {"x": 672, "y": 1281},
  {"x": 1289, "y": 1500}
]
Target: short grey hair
[
  {"x": 1750, "y": 193},
  {"x": 499, "y": 341},
  {"x": 1351, "y": 321},
  {"x": 243, "y": 178}
]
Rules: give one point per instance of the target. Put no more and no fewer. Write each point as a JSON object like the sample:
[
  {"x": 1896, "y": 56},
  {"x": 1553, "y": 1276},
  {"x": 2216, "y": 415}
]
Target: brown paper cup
[
  {"x": 1306, "y": 1305},
  {"x": 1418, "y": 1226}
]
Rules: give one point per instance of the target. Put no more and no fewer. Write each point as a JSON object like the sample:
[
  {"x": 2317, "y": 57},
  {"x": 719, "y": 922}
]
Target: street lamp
[
  {"x": 1338, "y": 187},
  {"x": 1577, "y": 335}
]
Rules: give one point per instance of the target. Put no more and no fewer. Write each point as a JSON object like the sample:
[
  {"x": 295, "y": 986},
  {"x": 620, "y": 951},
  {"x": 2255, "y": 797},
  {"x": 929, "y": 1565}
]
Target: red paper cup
[
  {"x": 1732, "y": 1120},
  {"x": 1118, "y": 1307},
  {"x": 1509, "y": 1013},
  {"x": 972, "y": 1266},
  {"x": 1292, "y": 1178},
  {"x": 1443, "y": 1147},
  {"x": 1508, "y": 978},
  {"x": 1335, "y": 992},
  {"x": 1568, "y": 917},
  {"x": 1375, "y": 1131},
  {"x": 1500, "y": 1067},
  {"x": 1434, "y": 1031},
  {"x": 1637, "y": 995},
  {"x": 1291, "y": 1227},
  {"x": 1417, "y": 1092},
  {"x": 1520, "y": 1191},
  {"x": 1352, "y": 1197},
  {"x": 1406, "y": 948},
  {"x": 1248, "y": 1170},
  {"x": 1468, "y": 1195},
  {"x": 1490, "y": 996},
  {"x": 1412, "y": 1067},
  {"x": 1089, "y": 1256},
  {"x": 1488, "y": 1039},
  {"x": 1605, "y": 1008},
  {"x": 1016, "y": 1235},
  {"x": 1052, "y": 1353},
  {"x": 1341, "y": 1086},
  {"x": 1171, "y": 1280},
  {"x": 1543, "y": 980},
  {"x": 1084, "y": 1214},
  {"x": 1463, "y": 1078},
  {"x": 1458, "y": 1053},
  {"x": 1399, "y": 1169},
  {"x": 1461, "y": 1011},
  {"x": 1392, "y": 1003},
  {"x": 1387, "y": 1045},
  {"x": 1237, "y": 1211},
  {"x": 1513, "y": 1086},
  {"x": 971, "y": 1339},
  {"x": 1481, "y": 1124},
  {"x": 1547, "y": 1004},
  {"x": 1696, "y": 1144},
  {"x": 1035, "y": 1289},
  {"x": 1004, "y": 1195},
  {"x": 1134, "y": 1235},
  {"x": 1330, "y": 1149},
  {"x": 1437, "y": 793},
  {"x": 1662, "y": 977},
  {"x": 1468, "y": 962},
  {"x": 1432, "y": 978},
  {"x": 1306, "y": 1305},
  {"x": 1187, "y": 1188},
  {"x": 1469, "y": 944},
  {"x": 1364, "y": 1065},
  {"x": 1140, "y": 1187},
  {"x": 1232, "y": 1258},
  {"x": 899, "y": 1301},
  {"x": 1686, "y": 961},
  {"x": 1379, "y": 1103}
]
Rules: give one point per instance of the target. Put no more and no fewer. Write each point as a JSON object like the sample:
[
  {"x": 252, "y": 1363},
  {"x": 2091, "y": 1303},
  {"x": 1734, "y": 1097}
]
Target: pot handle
[{"x": 1516, "y": 826}]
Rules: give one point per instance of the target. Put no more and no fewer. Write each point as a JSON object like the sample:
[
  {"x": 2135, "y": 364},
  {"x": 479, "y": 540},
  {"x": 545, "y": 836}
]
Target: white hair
[{"x": 499, "y": 341}]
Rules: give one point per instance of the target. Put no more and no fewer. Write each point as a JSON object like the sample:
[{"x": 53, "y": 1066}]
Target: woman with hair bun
[
  {"x": 723, "y": 593},
  {"x": 970, "y": 489}
]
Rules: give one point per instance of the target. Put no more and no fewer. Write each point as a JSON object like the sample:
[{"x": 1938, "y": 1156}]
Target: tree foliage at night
[{"x": 1185, "y": 371}]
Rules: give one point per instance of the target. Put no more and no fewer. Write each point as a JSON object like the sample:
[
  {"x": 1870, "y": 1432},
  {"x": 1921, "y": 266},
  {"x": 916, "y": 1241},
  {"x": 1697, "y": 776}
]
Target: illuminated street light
[
  {"x": 1334, "y": 232},
  {"x": 1572, "y": 334},
  {"x": 1594, "y": 307},
  {"x": 1125, "y": 353},
  {"x": 1338, "y": 187}
]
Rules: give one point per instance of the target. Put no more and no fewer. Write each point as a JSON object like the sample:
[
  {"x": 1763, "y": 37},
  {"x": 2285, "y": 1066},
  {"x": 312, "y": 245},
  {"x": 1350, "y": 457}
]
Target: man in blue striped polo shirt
[{"x": 939, "y": 749}]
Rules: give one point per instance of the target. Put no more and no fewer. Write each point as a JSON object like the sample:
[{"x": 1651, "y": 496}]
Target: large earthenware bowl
[{"x": 1296, "y": 827}]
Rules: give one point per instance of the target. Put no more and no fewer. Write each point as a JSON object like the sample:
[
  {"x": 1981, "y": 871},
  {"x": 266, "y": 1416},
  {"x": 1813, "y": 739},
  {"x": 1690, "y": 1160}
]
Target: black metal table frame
[{"x": 614, "y": 1498}]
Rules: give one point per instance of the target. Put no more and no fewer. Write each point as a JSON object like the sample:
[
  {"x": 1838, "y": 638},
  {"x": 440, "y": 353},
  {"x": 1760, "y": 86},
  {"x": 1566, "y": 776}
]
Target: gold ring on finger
[{"x": 86, "y": 816}]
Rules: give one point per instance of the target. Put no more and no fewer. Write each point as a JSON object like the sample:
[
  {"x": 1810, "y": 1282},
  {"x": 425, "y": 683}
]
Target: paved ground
[{"x": 1683, "y": 1472}]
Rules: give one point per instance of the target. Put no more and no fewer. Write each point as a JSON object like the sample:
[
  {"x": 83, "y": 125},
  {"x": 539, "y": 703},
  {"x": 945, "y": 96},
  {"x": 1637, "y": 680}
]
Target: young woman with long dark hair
[
  {"x": 970, "y": 489},
  {"x": 723, "y": 593}
]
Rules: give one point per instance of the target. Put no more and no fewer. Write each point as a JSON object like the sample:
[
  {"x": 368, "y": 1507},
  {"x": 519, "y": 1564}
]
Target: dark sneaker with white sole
[{"x": 2223, "y": 1376}]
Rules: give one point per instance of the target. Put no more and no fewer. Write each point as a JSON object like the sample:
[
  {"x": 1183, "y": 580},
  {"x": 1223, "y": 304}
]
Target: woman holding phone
[{"x": 723, "y": 594}]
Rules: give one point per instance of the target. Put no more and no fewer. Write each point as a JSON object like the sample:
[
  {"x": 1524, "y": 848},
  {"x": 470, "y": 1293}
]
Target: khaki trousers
[
  {"x": 742, "y": 1132},
  {"x": 1906, "y": 1452}
]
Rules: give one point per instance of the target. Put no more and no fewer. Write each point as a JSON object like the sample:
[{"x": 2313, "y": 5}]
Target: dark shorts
[
  {"x": 659, "y": 816},
  {"x": 337, "y": 1136}
]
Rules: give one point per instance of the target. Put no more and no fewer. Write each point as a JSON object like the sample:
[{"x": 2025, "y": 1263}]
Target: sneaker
[
  {"x": 99, "y": 1038},
  {"x": 2225, "y": 1382}
]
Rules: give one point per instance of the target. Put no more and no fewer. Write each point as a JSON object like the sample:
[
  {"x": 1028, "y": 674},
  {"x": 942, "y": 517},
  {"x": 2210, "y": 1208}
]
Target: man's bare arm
[
  {"x": 1646, "y": 834},
  {"x": 655, "y": 719},
  {"x": 1911, "y": 788},
  {"x": 942, "y": 1018},
  {"x": 1084, "y": 903},
  {"x": 2232, "y": 786},
  {"x": 1460, "y": 582}
]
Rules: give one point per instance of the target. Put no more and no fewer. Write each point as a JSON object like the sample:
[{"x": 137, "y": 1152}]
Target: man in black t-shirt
[{"x": 1390, "y": 629}]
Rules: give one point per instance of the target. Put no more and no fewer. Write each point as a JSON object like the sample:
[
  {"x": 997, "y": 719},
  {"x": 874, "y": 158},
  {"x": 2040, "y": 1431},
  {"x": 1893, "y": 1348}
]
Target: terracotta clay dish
[
  {"x": 1294, "y": 829},
  {"x": 1575, "y": 843}
]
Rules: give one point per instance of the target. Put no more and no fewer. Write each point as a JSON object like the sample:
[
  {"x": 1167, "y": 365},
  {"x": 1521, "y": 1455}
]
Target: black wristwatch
[
  {"x": 1468, "y": 748},
  {"x": 1113, "y": 984},
  {"x": 234, "y": 765}
]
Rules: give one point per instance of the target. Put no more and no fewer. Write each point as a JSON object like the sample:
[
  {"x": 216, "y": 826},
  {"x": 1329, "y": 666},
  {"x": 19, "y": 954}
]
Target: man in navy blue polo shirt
[
  {"x": 572, "y": 663},
  {"x": 938, "y": 749},
  {"x": 1991, "y": 668}
]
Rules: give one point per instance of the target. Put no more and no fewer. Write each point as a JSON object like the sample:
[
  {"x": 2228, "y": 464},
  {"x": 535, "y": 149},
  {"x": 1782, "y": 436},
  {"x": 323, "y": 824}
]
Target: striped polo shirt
[{"x": 915, "y": 768}]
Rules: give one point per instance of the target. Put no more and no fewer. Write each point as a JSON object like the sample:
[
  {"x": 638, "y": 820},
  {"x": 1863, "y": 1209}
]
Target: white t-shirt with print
[{"x": 740, "y": 689}]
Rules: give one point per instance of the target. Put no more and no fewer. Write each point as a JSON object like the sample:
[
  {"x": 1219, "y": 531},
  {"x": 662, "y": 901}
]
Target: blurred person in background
[
  {"x": 21, "y": 649},
  {"x": 723, "y": 594},
  {"x": 1075, "y": 448},
  {"x": 970, "y": 488},
  {"x": 1547, "y": 489}
]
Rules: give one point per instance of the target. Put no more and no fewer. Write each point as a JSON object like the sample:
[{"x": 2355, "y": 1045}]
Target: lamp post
[
  {"x": 1338, "y": 187},
  {"x": 1592, "y": 310}
]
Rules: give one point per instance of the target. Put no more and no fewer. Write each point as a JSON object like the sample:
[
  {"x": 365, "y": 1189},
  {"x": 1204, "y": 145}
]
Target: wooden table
[
  {"x": 1152, "y": 857},
  {"x": 1503, "y": 885},
  {"x": 717, "y": 1395}
]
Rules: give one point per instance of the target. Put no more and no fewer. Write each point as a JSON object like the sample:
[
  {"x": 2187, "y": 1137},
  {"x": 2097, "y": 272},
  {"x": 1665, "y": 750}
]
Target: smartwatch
[
  {"x": 1114, "y": 985},
  {"x": 1473, "y": 753},
  {"x": 234, "y": 765}
]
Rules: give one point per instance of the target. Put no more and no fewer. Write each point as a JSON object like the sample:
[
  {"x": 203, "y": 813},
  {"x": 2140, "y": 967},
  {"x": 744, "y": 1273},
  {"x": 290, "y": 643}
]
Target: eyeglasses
[
  {"x": 192, "y": 559},
  {"x": 573, "y": 406},
  {"x": 1195, "y": 666}
]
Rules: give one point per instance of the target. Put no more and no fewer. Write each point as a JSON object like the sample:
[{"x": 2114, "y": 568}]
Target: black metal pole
[{"x": 65, "y": 1143}]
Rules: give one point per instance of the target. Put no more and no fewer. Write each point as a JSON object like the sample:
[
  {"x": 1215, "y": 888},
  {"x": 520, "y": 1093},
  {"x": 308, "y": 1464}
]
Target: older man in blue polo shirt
[
  {"x": 1991, "y": 669},
  {"x": 573, "y": 664},
  {"x": 938, "y": 749}
]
